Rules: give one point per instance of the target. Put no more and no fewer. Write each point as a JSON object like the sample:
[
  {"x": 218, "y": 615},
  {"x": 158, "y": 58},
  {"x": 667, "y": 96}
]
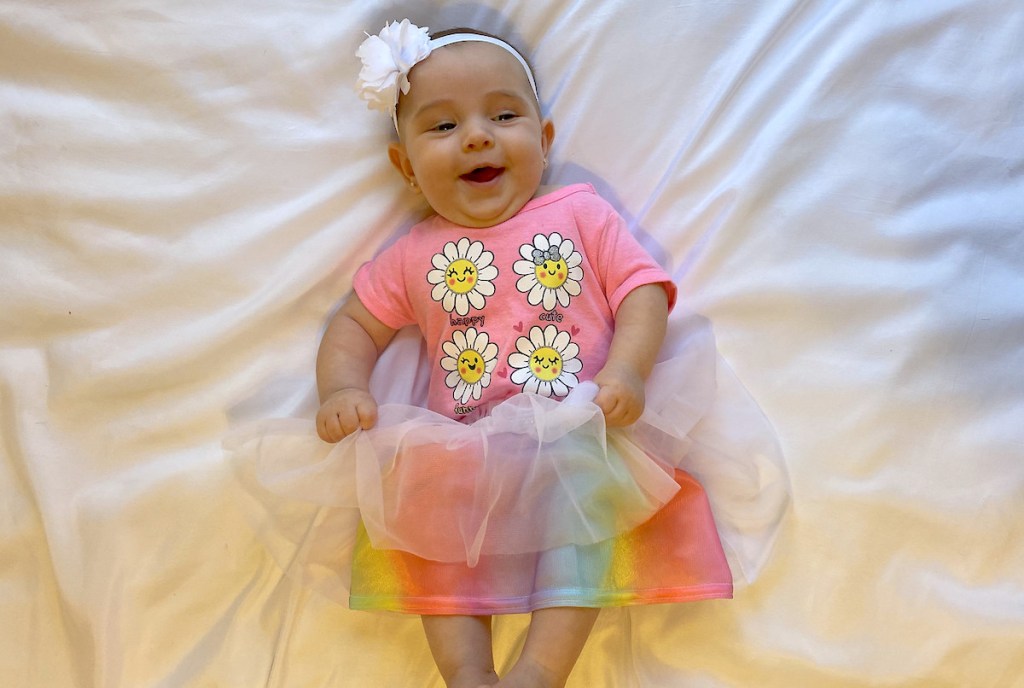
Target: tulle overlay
[{"x": 536, "y": 504}]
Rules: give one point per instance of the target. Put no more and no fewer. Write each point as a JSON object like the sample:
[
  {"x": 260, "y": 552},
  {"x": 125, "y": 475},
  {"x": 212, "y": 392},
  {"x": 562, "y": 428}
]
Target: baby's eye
[
  {"x": 506, "y": 116},
  {"x": 444, "y": 126}
]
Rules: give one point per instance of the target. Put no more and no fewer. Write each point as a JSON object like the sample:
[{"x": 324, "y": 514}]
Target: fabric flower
[
  {"x": 470, "y": 359},
  {"x": 550, "y": 270},
  {"x": 387, "y": 59},
  {"x": 462, "y": 276},
  {"x": 546, "y": 362}
]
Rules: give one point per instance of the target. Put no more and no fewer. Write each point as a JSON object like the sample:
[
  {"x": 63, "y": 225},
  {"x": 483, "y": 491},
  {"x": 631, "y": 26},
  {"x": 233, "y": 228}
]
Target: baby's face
[{"x": 472, "y": 138}]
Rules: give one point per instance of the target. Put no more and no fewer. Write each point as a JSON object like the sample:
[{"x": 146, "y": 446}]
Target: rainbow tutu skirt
[{"x": 536, "y": 505}]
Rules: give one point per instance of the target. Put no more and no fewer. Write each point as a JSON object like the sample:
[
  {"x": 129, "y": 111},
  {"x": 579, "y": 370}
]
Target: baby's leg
[
  {"x": 461, "y": 646},
  {"x": 553, "y": 644}
]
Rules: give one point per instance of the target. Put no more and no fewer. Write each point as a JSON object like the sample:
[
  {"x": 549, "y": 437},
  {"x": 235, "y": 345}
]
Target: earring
[{"x": 545, "y": 163}]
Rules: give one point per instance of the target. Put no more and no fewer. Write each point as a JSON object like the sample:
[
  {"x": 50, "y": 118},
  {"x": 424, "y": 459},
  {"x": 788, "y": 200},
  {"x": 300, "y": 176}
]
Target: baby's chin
[
  {"x": 480, "y": 222},
  {"x": 462, "y": 215}
]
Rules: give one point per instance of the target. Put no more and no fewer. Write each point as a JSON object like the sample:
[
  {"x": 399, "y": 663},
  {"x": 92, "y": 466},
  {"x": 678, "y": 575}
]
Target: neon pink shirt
[{"x": 527, "y": 305}]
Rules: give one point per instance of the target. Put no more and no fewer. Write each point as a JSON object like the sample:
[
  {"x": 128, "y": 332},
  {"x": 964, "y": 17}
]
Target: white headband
[{"x": 390, "y": 56}]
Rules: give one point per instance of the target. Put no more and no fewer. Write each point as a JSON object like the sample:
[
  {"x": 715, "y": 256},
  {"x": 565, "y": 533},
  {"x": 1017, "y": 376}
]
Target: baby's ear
[
  {"x": 547, "y": 136},
  {"x": 400, "y": 159}
]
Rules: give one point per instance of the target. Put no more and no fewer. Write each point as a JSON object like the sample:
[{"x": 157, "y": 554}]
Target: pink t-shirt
[{"x": 524, "y": 306}]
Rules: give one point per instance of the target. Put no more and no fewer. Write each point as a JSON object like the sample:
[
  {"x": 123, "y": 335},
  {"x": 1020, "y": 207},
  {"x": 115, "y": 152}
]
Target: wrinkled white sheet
[{"x": 838, "y": 186}]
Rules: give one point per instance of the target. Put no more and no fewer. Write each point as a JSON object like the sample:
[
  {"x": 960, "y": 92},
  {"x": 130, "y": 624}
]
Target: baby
[{"x": 515, "y": 293}]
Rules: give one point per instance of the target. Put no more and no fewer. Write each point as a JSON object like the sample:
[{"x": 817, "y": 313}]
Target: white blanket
[{"x": 837, "y": 185}]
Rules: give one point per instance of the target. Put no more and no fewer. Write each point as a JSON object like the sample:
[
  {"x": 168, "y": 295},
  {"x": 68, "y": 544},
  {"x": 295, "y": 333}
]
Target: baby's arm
[
  {"x": 639, "y": 331},
  {"x": 349, "y": 350}
]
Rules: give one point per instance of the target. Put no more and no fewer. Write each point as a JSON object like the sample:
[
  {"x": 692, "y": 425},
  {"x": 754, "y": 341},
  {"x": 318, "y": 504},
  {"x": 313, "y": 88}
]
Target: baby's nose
[{"x": 478, "y": 137}]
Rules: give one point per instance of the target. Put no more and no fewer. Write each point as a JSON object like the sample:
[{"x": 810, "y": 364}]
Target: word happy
[{"x": 469, "y": 321}]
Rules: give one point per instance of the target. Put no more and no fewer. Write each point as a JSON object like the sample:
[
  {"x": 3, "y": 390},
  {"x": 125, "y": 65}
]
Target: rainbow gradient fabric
[{"x": 676, "y": 556}]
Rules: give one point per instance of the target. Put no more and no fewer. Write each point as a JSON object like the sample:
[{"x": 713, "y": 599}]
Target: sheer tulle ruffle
[{"x": 534, "y": 475}]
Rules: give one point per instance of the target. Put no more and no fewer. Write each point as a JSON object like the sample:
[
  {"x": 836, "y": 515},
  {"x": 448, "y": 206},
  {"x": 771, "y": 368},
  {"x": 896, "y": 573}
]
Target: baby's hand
[
  {"x": 620, "y": 396},
  {"x": 344, "y": 412}
]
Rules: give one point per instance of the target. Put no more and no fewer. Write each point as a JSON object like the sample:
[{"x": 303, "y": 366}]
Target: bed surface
[{"x": 837, "y": 186}]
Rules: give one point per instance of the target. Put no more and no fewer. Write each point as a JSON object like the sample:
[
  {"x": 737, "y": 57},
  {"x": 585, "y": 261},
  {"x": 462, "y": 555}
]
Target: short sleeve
[
  {"x": 381, "y": 285},
  {"x": 621, "y": 262}
]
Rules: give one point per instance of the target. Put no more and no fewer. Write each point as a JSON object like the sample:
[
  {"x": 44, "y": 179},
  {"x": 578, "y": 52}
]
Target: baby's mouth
[{"x": 482, "y": 175}]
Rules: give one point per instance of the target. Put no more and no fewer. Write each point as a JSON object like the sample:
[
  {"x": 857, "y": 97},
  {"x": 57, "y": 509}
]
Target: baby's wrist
[
  {"x": 619, "y": 370},
  {"x": 343, "y": 391}
]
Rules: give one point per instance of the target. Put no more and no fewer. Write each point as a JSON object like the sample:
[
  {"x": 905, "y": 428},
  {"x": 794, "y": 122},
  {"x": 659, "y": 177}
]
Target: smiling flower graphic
[
  {"x": 546, "y": 362},
  {"x": 462, "y": 276},
  {"x": 470, "y": 360},
  {"x": 550, "y": 270}
]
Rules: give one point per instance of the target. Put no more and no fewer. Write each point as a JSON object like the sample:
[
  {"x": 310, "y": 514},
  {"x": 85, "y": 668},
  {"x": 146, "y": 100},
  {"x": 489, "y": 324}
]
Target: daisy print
[
  {"x": 550, "y": 270},
  {"x": 546, "y": 362},
  {"x": 469, "y": 358},
  {"x": 462, "y": 276}
]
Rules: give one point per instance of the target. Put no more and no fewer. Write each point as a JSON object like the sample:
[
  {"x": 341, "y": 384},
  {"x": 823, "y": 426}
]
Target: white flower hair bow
[{"x": 387, "y": 59}]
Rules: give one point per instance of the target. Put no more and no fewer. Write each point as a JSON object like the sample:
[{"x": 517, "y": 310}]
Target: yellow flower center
[
  {"x": 461, "y": 276},
  {"x": 471, "y": 366},
  {"x": 546, "y": 363},
  {"x": 552, "y": 273}
]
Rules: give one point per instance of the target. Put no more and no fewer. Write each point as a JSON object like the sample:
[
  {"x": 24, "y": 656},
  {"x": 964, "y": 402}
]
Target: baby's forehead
[{"x": 466, "y": 68}]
